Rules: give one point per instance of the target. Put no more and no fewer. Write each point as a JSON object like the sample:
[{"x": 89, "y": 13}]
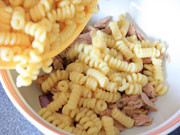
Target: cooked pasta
[
  {"x": 108, "y": 124},
  {"x": 78, "y": 67},
  {"x": 110, "y": 97},
  {"x": 112, "y": 87},
  {"x": 160, "y": 89},
  {"x": 53, "y": 79},
  {"x": 134, "y": 88},
  {"x": 62, "y": 86},
  {"x": 69, "y": 112},
  {"x": 58, "y": 102},
  {"x": 16, "y": 2},
  {"x": 100, "y": 77},
  {"x": 122, "y": 118},
  {"x": 160, "y": 46},
  {"x": 80, "y": 79},
  {"x": 94, "y": 63},
  {"x": 115, "y": 30},
  {"x": 110, "y": 42},
  {"x": 137, "y": 78}
]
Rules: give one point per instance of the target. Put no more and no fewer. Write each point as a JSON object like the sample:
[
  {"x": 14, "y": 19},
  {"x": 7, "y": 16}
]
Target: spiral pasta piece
[
  {"x": 160, "y": 89},
  {"x": 63, "y": 86},
  {"x": 74, "y": 96},
  {"x": 146, "y": 52},
  {"x": 137, "y": 78},
  {"x": 16, "y": 2},
  {"x": 125, "y": 51},
  {"x": 36, "y": 30},
  {"x": 110, "y": 97},
  {"x": 122, "y": 118},
  {"x": 80, "y": 79},
  {"x": 14, "y": 38},
  {"x": 139, "y": 64},
  {"x": 134, "y": 88},
  {"x": 92, "y": 51},
  {"x": 133, "y": 44},
  {"x": 93, "y": 103},
  {"x": 58, "y": 102},
  {"x": 86, "y": 92},
  {"x": 108, "y": 124},
  {"x": 160, "y": 46},
  {"x": 5, "y": 18},
  {"x": 115, "y": 30},
  {"x": 39, "y": 11},
  {"x": 112, "y": 87},
  {"x": 18, "y": 18},
  {"x": 114, "y": 53},
  {"x": 158, "y": 72},
  {"x": 53, "y": 78},
  {"x": 100, "y": 77},
  {"x": 94, "y": 63},
  {"x": 6, "y": 54},
  {"x": 70, "y": 112},
  {"x": 78, "y": 67}
]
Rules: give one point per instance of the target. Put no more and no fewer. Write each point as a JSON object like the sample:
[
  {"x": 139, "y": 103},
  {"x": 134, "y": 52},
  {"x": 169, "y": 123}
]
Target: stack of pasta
[
  {"x": 30, "y": 29},
  {"x": 97, "y": 75}
]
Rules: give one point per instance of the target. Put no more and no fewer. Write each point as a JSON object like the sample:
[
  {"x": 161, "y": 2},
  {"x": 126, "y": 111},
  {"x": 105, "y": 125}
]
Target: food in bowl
[
  {"x": 105, "y": 82},
  {"x": 32, "y": 29}
]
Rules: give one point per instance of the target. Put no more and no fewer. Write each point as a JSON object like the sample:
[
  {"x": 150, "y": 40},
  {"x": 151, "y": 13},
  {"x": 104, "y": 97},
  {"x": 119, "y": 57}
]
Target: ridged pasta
[
  {"x": 69, "y": 112},
  {"x": 14, "y": 38},
  {"x": 98, "y": 40},
  {"x": 36, "y": 30},
  {"x": 38, "y": 45},
  {"x": 94, "y": 63},
  {"x": 160, "y": 89},
  {"x": 40, "y": 10},
  {"x": 16, "y": 2},
  {"x": 113, "y": 52},
  {"x": 137, "y": 78},
  {"x": 146, "y": 52},
  {"x": 5, "y": 18},
  {"x": 18, "y": 18},
  {"x": 139, "y": 64},
  {"x": 91, "y": 51},
  {"x": 158, "y": 72},
  {"x": 146, "y": 44},
  {"x": 131, "y": 45},
  {"x": 53, "y": 78},
  {"x": 63, "y": 86},
  {"x": 123, "y": 85},
  {"x": 63, "y": 118},
  {"x": 160, "y": 46},
  {"x": 80, "y": 79},
  {"x": 6, "y": 54},
  {"x": 86, "y": 92},
  {"x": 78, "y": 67},
  {"x": 58, "y": 102},
  {"x": 125, "y": 51},
  {"x": 134, "y": 88},
  {"x": 110, "y": 42},
  {"x": 115, "y": 30},
  {"x": 78, "y": 131},
  {"x": 108, "y": 124},
  {"x": 123, "y": 25},
  {"x": 119, "y": 64},
  {"x": 93, "y": 103},
  {"x": 54, "y": 119},
  {"x": 62, "y": 13},
  {"x": 48, "y": 25},
  {"x": 86, "y": 118},
  {"x": 112, "y": 87},
  {"x": 80, "y": 14},
  {"x": 122, "y": 118},
  {"x": 110, "y": 97},
  {"x": 74, "y": 96},
  {"x": 100, "y": 77},
  {"x": 149, "y": 71}
]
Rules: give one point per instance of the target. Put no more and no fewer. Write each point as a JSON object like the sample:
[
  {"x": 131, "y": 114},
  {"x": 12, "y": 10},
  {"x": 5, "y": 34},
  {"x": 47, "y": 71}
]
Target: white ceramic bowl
[{"x": 159, "y": 19}]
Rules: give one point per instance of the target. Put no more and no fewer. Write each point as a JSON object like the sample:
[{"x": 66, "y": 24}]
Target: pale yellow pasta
[
  {"x": 69, "y": 112},
  {"x": 47, "y": 25},
  {"x": 78, "y": 67},
  {"x": 18, "y": 18},
  {"x": 39, "y": 11},
  {"x": 133, "y": 44},
  {"x": 158, "y": 72},
  {"x": 16, "y": 2},
  {"x": 160, "y": 89},
  {"x": 139, "y": 64},
  {"x": 62, "y": 86},
  {"x": 38, "y": 45},
  {"x": 110, "y": 42},
  {"x": 92, "y": 51},
  {"x": 134, "y": 88},
  {"x": 125, "y": 51},
  {"x": 14, "y": 38},
  {"x": 36, "y": 30},
  {"x": 63, "y": 3},
  {"x": 123, "y": 85},
  {"x": 53, "y": 78},
  {"x": 122, "y": 118},
  {"x": 112, "y": 87},
  {"x": 123, "y": 25},
  {"x": 107, "y": 96},
  {"x": 137, "y": 78},
  {"x": 146, "y": 44},
  {"x": 86, "y": 92},
  {"x": 115, "y": 30},
  {"x": 108, "y": 124},
  {"x": 80, "y": 79},
  {"x": 58, "y": 102},
  {"x": 28, "y": 3},
  {"x": 98, "y": 40},
  {"x": 63, "y": 118},
  {"x": 74, "y": 97},
  {"x": 94, "y": 63},
  {"x": 5, "y": 18},
  {"x": 113, "y": 52},
  {"x": 99, "y": 76},
  {"x": 160, "y": 46},
  {"x": 93, "y": 103},
  {"x": 146, "y": 52},
  {"x": 6, "y": 54}
]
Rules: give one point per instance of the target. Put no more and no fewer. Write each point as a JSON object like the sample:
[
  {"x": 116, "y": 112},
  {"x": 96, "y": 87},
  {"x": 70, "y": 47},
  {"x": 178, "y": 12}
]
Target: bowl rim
[{"x": 173, "y": 121}]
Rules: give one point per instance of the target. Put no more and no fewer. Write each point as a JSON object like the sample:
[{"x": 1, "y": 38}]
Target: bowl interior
[{"x": 158, "y": 20}]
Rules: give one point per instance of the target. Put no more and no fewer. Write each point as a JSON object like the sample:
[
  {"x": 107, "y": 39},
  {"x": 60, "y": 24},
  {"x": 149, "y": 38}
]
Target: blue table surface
[{"x": 13, "y": 123}]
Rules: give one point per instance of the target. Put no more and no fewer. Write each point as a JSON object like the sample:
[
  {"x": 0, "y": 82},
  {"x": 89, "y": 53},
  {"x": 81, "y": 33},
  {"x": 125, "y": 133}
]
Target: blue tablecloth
[{"x": 13, "y": 123}]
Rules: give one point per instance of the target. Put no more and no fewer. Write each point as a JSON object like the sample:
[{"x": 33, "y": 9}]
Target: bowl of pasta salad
[{"x": 119, "y": 76}]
